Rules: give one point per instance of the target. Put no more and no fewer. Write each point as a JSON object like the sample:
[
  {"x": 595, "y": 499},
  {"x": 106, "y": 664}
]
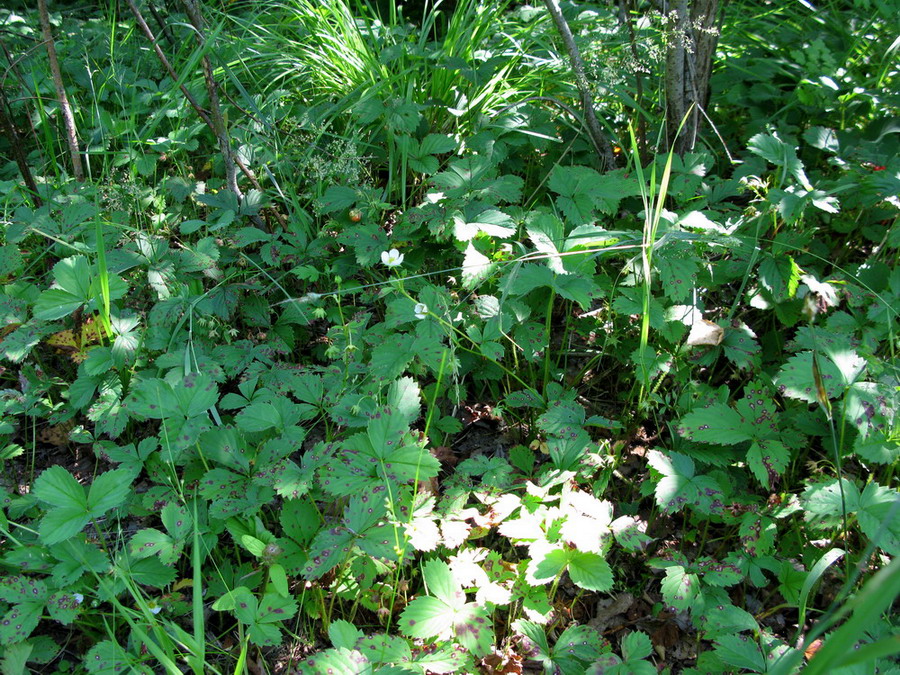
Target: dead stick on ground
[
  {"x": 65, "y": 108},
  {"x": 598, "y": 138}
]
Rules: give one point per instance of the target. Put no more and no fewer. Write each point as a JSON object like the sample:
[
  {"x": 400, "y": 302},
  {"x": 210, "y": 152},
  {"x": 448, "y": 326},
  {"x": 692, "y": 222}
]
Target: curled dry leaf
[{"x": 705, "y": 332}]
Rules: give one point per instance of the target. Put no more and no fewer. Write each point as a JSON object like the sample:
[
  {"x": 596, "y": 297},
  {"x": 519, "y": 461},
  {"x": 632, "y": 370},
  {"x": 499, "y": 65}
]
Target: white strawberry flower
[
  {"x": 392, "y": 258},
  {"x": 420, "y": 310}
]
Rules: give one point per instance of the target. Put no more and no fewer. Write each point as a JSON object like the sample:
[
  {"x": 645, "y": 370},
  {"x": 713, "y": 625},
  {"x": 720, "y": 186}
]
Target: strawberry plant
[{"x": 351, "y": 346}]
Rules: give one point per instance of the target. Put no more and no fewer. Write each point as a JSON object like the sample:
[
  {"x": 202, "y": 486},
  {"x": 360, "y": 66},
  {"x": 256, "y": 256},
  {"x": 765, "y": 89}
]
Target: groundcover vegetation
[{"x": 473, "y": 337}]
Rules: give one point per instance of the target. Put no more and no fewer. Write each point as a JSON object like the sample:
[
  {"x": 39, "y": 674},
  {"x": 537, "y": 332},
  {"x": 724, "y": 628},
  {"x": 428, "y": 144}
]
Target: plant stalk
[{"x": 65, "y": 107}]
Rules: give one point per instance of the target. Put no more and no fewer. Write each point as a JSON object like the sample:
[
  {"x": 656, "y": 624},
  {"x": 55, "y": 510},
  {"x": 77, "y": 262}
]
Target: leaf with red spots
[
  {"x": 18, "y": 622},
  {"x": 796, "y": 377},
  {"x": 679, "y": 485},
  {"x": 107, "y": 658},
  {"x": 149, "y": 542},
  {"x": 680, "y": 587},
  {"x": 336, "y": 662},
  {"x": 20, "y": 588}
]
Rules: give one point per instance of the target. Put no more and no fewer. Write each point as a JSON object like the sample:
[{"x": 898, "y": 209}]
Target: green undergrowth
[{"x": 441, "y": 386}]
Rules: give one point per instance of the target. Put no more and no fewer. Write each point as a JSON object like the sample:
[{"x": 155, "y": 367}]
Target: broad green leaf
[
  {"x": 226, "y": 446},
  {"x": 404, "y": 399},
  {"x": 718, "y": 424},
  {"x": 473, "y": 629},
  {"x": 490, "y": 222},
  {"x": 272, "y": 413},
  {"x": 18, "y": 344},
  {"x": 680, "y": 587},
  {"x": 476, "y": 267},
  {"x": 822, "y": 501},
  {"x": 741, "y": 348},
  {"x": 391, "y": 357},
  {"x": 535, "y": 643},
  {"x": 590, "y": 571},
  {"x": 767, "y": 459},
  {"x": 72, "y": 278},
  {"x": 678, "y": 276},
  {"x": 437, "y": 144},
  {"x": 574, "y": 186},
  {"x": 150, "y": 541},
  {"x": 343, "y": 634},
  {"x": 195, "y": 394},
  {"x": 344, "y": 661},
  {"x": 20, "y": 588},
  {"x": 796, "y": 378},
  {"x": 636, "y": 646},
  {"x": 426, "y": 617},
  {"x": 779, "y": 275},
  {"x": 679, "y": 486},
  {"x": 878, "y": 448},
  {"x": 107, "y": 658},
  {"x": 152, "y": 398},
  {"x": 878, "y": 515},
  {"x": 777, "y": 152},
  {"x": 56, "y": 303},
  {"x": 18, "y": 623},
  {"x": 757, "y": 533},
  {"x": 264, "y": 635},
  {"x": 441, "y": 584},
  {"x": 58, "y": 487},
  {"x": 108, "y": 491},
  {"x": 548, "y": 235},
  {"x": 11, "y": 260},
  {"x": 741, "y": 651},
  {"x": 274, "y": 608},
  {"x": 367, "y": 241},
  {"x": 64, "y": 607},
  {"x": 327, "y": 550},
  {"x": 562, "y": 418},
  {"x": 385, "y": 432},
  {"x": 579, "y": 641},
  {"x": 336, "y": 198},
  {"x": 547, "y": 567},
  {"x": 871, "y": 407},
  {"x": 383, "y": 648}
]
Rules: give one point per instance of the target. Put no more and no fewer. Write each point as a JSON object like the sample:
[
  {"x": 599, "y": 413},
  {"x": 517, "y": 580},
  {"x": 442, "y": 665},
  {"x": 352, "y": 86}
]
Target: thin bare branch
[
  {"x": 595, "y": 131},
  {"x": 65, "y": 108}
]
